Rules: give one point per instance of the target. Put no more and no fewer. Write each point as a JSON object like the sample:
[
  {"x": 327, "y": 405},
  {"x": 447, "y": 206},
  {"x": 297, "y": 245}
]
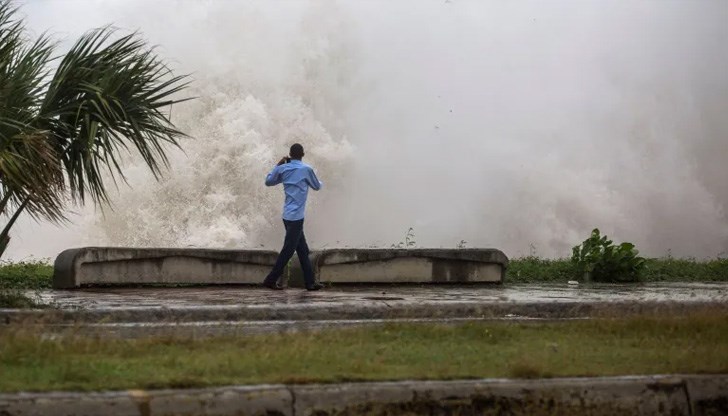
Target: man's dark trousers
[{"x": 295, "y": 241}]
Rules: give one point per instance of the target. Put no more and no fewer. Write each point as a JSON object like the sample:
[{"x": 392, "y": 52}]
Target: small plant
[
  {"x": 13, "y": 298},
  {"x": 409, "y": 240},
  {"x": 462, "y": 244},
  {"x": 598, "y": 259}
]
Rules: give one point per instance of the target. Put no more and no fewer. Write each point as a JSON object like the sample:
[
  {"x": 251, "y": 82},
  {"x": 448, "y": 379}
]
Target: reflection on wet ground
[
  {"x": 240, "y": 310},
  {"x": 254, "y": 297}
]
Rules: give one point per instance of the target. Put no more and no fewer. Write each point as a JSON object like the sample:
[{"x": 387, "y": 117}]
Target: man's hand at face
[{"x": 285, "y": 159}]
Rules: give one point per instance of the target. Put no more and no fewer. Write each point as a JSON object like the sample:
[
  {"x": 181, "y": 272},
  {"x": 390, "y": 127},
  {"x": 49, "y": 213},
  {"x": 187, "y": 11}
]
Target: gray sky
[{"x": 509, "y": 124}]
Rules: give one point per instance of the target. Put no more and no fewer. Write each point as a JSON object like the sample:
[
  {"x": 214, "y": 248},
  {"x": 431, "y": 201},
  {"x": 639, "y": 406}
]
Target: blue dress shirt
[{"x": 296, "y": 177}]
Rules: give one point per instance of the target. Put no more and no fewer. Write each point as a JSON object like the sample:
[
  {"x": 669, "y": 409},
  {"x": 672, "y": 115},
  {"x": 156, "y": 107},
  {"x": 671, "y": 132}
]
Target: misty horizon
[{"x": 516, "y": 125}]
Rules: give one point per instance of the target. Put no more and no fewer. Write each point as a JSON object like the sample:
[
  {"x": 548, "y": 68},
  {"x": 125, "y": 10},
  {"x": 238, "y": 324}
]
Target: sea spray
[{"x": 511, "y": 125}]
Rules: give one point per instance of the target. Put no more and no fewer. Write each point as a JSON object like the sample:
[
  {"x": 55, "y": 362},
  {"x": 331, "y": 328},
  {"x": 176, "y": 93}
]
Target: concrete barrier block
[
  {"x": 238, "y": 401},
  {"x": 132, "y": 266},
  {"x": 149, "y": 266},
  {"x": 491, "y": 397},
  {"x": 708, "y": 394},
  {"x": 634, "y": 395},
  {"x": 352, "y": 399},
  {"x": 410, "y": 265},
  {"x": 68, "y": 404}
]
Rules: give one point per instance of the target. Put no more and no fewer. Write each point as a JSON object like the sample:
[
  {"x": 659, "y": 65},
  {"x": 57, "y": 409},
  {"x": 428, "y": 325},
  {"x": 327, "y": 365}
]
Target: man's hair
[{"x": 296, "y": 151}]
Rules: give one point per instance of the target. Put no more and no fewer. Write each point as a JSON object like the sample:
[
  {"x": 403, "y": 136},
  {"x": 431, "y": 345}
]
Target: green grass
[
  {"x": 30, "y": 361},
  {"x": 537, "y": 270}
]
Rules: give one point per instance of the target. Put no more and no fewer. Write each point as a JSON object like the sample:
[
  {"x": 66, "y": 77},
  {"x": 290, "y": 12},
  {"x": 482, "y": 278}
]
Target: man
[{"x": 296, "y": 177}]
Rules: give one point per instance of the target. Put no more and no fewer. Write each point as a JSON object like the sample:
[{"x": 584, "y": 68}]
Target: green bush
[
  {"x": 534, "y": 269},
  {"x": 19, "y": 280},
  {"x": 686, "y": 270},
  {"x": 598, "y": 259},
  {"x": 28, "y": 274}
]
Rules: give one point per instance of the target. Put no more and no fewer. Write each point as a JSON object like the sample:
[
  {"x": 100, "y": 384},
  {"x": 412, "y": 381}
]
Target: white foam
[{"x": 502, "y": 124}]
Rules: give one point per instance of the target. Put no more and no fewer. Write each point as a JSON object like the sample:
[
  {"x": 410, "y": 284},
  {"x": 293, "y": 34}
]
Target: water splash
[{"x": 503, "y": 124}]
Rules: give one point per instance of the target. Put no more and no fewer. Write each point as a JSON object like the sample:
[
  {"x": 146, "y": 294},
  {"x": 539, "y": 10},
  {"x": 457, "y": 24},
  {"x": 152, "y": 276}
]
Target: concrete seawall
[
  {"x": 92, "y": 266},
  {"x": 640, "y": 395},
  {"x": 153, "y": 266},
  {"x": 411, "y": 265}
]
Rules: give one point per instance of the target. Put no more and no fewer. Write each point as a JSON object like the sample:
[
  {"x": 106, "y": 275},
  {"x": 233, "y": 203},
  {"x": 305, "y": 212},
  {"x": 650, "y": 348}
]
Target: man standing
[{"x": 296, "y": 177}]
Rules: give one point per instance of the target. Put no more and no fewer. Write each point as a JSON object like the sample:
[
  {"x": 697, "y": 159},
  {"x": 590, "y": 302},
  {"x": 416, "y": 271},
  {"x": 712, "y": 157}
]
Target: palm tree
[{"x": 66, "y": 121}]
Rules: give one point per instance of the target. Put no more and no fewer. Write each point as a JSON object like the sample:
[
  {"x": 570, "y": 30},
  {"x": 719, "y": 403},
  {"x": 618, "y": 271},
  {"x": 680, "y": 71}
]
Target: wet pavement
[
  {"x": 386, "y": 296},
  {"x": 235, "y": 310}
]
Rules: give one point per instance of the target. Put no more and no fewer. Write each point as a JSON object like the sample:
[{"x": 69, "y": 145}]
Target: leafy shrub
[
  {"x": 686, "y": 270},
  {"x": 598, "y": 259},
  {"x": 18, "y": 280},
  {"x": 32, "y": 274},
  {"x": 535, "y": 269}
]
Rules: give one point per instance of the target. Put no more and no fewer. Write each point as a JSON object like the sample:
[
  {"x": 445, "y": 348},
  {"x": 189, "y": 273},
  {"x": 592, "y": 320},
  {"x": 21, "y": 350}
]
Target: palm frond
[
  {"x": 29, "y": 166},
  {"x": 62, "y": 133},
  {"x": 23, "y": 73},
  {"x": 108, "y": 95},
  {"x": 31, "y": 171}
]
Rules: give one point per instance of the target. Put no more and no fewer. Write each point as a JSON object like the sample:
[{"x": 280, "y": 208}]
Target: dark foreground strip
[
  {"x": 479, "y": 310},
  {"x": 639, "y": 395}
]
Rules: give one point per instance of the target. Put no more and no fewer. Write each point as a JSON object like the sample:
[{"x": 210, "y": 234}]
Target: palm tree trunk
[
  {"x": 4, "y": 202},
  {"x": 5, "y": 235}
]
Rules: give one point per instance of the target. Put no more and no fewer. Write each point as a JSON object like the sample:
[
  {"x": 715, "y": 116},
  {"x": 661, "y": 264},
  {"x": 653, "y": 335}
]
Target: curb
[{"x": 633, "y": 395}]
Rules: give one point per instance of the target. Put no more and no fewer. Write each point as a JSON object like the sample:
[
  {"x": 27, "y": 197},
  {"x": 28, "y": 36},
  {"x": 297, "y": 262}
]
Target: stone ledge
[
  {"x": 708, "y": 395},
  {"x": 632, "y": 395},
  {"x": 148, "y": 266},
  {"x": 238, "y": 401},
  {"x": 410, "y": 265},
  {"x": 106, "y": 266},
  {"x": 622, "y": 396}
]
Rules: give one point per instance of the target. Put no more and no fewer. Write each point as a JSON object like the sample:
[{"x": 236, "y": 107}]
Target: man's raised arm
[{"x": 274, "y": 177}]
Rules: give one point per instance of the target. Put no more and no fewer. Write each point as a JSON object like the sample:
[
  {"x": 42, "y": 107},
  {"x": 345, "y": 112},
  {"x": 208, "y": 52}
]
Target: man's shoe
[
  {"x": 273, "y": 286},
  {"x": 315, "y": 286}
]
